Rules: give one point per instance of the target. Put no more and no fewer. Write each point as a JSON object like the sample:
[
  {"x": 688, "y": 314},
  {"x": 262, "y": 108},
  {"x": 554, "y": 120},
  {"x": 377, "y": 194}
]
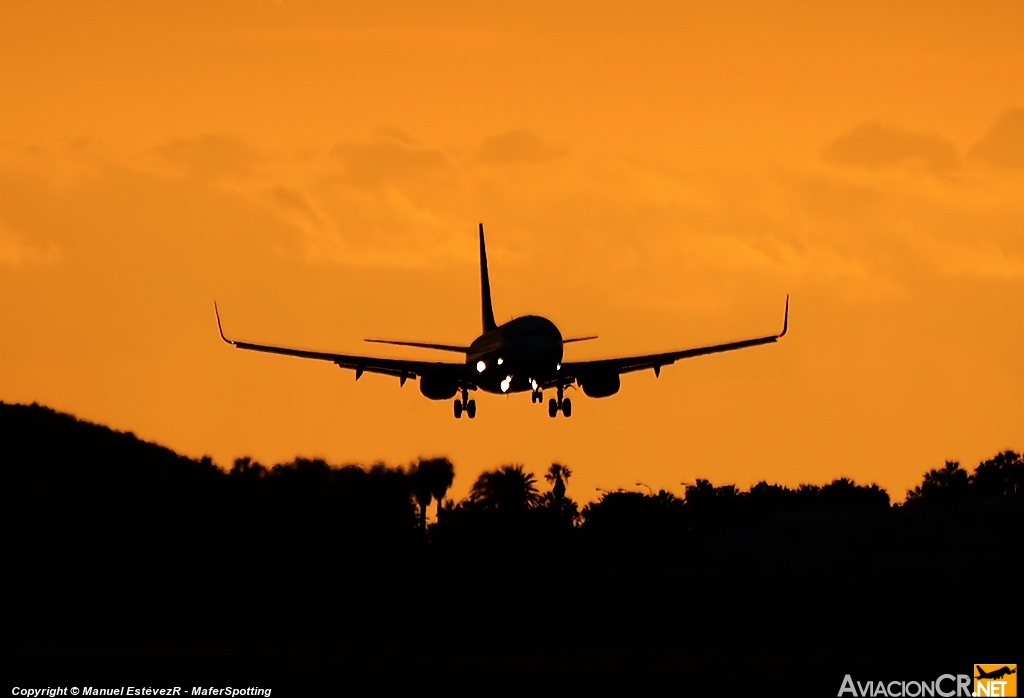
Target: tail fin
[{"x": 485, "y": 286}]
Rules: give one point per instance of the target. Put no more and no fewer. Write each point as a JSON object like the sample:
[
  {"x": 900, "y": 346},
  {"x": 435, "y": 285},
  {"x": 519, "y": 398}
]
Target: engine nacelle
[
  {"x": 439, "y": 383},
  {"x": 601, "y": 384}
]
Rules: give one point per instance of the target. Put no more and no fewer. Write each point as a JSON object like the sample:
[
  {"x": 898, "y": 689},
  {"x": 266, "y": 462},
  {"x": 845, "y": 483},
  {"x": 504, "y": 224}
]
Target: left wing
[
  {"x": 401, "y": 368},
  {"x": 581, "y": 369}
]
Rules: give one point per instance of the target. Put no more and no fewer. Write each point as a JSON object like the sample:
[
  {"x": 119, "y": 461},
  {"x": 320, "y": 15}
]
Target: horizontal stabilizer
[
  {"x": 421, "y": 345},
  {"x": 578, "y": 339}
]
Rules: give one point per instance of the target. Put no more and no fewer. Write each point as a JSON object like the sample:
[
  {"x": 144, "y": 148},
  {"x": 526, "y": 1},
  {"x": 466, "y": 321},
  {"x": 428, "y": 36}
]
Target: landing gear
[
  {"x": 560, "y": 405},
  {"x": 537, "y": 396},
  {"x": 464, "y": 405}
]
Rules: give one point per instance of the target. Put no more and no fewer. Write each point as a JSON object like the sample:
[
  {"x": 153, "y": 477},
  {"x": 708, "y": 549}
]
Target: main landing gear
[
  {"x": 561, "y": 404},
  {"x": 465, "y": 405}
]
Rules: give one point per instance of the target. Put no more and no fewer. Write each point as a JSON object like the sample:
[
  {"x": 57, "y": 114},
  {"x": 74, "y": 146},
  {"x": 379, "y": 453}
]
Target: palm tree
[
  {"x": 945, "y": 484},
  {"x": 558, "y": 476},
  {"x": 507, "y": 488},
  {"x": 420, "y": 481},
  {"x": 1002, "y": 476},
  {"x": 439, "y": 474}
]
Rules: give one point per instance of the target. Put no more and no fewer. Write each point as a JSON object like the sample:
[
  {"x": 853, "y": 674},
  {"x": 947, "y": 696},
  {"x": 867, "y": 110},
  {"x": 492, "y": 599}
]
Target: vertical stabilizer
[{"x": 485, "y": 286}]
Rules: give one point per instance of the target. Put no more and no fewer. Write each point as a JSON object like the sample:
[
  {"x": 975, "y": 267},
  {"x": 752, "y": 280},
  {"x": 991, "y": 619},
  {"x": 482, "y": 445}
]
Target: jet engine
[
  {"x": 600, "y": 384},
  {"x": 439, "y": 383}
]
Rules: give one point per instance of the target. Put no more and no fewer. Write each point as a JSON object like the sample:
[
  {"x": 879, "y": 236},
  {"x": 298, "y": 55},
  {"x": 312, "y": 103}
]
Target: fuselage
[{"x": 511, "y": 357}]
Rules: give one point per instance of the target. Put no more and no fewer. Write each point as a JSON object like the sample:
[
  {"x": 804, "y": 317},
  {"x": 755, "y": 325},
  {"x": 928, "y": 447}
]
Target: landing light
[
  {"x": 480, "y": 366},
  {"x": 558, "y": 367},
  {"x": 533, "y": 383},
  {"x": 501, "y": 361},
  {"x": 505, "y": 383}
]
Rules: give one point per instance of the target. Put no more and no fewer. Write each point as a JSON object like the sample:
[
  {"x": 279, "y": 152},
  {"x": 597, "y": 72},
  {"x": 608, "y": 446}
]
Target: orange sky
[{"x": 661, "y": 177}]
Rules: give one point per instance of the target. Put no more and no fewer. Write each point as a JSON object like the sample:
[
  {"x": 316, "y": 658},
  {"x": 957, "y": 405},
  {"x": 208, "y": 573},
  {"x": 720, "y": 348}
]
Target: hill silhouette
[{"x": 119, "y": 547}]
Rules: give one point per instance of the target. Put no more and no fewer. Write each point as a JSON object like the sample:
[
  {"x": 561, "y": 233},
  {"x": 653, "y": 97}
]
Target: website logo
[{"x": 995, "y": 680}]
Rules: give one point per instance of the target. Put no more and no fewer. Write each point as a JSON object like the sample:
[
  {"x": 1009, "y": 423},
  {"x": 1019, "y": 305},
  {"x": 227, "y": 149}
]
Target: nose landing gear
[
  {"x": 464, "y": 405},
  {"x": 563, "y": 405}
]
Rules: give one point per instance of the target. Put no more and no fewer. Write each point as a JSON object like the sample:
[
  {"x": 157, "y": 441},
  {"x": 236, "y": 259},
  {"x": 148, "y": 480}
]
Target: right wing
[
  {"x": 403, "y": 369},
  {"x": 579, "y": 370}
]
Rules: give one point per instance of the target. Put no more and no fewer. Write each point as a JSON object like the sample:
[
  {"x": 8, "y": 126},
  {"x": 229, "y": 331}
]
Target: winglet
[
  {"x": 785, "y": 321},
  {"x": 217, "y": 312}
]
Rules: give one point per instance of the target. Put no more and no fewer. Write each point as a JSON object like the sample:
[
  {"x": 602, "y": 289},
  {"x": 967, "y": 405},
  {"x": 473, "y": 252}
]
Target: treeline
[
  {"x": 56, "y": 458},
  {"x": 114, "y": 541}
]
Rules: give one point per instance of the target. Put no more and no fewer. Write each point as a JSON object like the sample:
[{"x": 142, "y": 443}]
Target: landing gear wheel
[
  {"x": 471, "y": 409},
  {"x": 552, "y": 407},
  {"x": 458, "y": 409},
  {"x": 567, "y": 407}
]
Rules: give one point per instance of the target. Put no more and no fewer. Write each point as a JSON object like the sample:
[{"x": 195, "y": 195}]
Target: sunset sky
[{"x": 660, "y": 175}]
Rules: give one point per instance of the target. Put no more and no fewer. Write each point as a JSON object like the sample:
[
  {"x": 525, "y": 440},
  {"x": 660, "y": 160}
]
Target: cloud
[
  {"x": 210, "y": 156},
  {"x": 15, "y": 252},
  {"x": 874, "y": 146},
  {"x": 391, "y": 157},
  {"x": 516, "y": 146},
  {"x": 1003, "y": 145},
  {"x": 392, "y": 201},
  {"x": 983, "y": 260}
]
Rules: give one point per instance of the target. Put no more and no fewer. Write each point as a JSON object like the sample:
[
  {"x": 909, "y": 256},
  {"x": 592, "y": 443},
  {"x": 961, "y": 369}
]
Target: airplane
[
  {"x": 995, "y": 673},
  {"x": 524, "y": 354}
]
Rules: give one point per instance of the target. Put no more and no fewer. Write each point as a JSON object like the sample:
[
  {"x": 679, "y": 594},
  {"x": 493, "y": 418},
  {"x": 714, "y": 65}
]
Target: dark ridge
[{"x": 40, "y": 444}]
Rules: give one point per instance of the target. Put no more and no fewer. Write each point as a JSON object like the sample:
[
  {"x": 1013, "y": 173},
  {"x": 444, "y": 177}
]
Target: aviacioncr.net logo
[{"x": 945, "y": 686}]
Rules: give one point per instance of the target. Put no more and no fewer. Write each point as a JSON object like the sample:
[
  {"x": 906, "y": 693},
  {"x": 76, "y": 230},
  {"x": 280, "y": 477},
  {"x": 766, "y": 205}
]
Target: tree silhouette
[
  {"x": 1002, "y": 476},
  {"x": 942, "y": 485},
  {"x": 846, "y": 494},
  {"x": 555, "y": 502},
  {"x": 421, "y": 492},
  {"x": 334, "y": 547},
  {"x": 247, "y": 470},
  {"x": 558, "y": 475},
  {"x": 706, "y": 503},
  {"x": 432, "y": 477},
  {"x": 509, "y": 488}
]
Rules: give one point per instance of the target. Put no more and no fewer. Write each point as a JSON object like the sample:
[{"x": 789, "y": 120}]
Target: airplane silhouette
[
  {"x": 523, "y": 354},
  {"x": 995, "y": 673}
]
